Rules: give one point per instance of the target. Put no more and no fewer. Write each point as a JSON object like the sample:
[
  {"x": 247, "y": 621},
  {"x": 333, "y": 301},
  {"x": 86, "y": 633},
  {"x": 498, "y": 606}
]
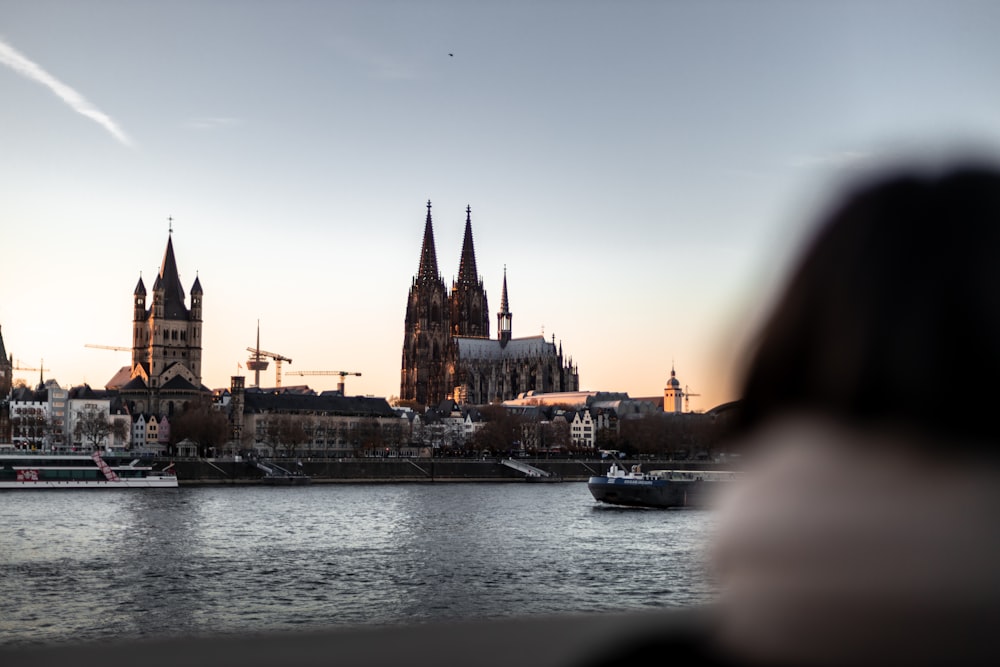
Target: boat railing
[{"x": 696, "y": 475}]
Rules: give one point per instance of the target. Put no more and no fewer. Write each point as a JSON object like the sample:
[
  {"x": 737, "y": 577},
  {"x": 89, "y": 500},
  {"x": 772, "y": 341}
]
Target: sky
[{"x": 646, "y": 171}]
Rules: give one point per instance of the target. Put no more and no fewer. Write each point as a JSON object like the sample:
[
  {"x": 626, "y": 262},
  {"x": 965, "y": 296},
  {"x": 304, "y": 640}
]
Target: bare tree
[
  {"x": 200, "y": 423},
  {"x": 285, "y": 433},
  {"x": 93, "y": 426},
  {"x": 500, "y": 430}
]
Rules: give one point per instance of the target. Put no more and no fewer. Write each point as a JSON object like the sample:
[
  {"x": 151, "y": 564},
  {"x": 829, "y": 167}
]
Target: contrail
[{"x": 10, "y": 57}]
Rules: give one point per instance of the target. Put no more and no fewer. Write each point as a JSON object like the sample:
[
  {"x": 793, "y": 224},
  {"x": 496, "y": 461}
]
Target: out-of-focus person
[{"x": 867, "y": 527}]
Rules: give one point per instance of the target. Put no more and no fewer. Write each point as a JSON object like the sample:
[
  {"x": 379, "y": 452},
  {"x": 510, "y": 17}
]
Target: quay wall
[{"x": 375, "y": 470}]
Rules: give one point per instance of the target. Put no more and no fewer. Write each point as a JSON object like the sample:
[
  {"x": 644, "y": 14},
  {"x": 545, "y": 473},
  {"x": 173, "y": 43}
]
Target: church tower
[
  {"x": 672, "y": 393},
  {"x": 469, "y": 310},
  {"x": 426, "y": 335},
  {"x": 166, "y": 341}
]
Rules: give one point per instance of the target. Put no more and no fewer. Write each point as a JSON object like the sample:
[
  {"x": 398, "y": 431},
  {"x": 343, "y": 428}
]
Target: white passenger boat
[{"x": 30, "y": 470}]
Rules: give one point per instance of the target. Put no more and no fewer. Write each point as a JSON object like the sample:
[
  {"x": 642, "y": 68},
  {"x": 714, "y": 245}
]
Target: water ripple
[{"x": 84, "y": 565}]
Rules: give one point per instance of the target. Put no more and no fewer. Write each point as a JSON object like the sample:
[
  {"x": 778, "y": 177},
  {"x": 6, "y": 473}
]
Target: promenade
[{"x": 201, "y": 471}]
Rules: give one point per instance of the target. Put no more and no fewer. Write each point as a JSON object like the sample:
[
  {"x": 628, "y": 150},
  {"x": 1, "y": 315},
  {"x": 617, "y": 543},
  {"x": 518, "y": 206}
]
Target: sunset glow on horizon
[{"x": 645, "y": 171}]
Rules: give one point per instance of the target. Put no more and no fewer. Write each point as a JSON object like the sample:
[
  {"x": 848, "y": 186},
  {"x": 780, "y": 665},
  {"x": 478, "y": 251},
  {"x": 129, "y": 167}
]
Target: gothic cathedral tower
[
  {"x": 469, "y": 311},
  {"x": 426, "y": 337}
]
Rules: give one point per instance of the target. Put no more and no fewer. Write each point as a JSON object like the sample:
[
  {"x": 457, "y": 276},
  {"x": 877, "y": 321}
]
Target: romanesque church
[
  {"x": 166, "y": 344},
  {"x": 447, "y": 349}
]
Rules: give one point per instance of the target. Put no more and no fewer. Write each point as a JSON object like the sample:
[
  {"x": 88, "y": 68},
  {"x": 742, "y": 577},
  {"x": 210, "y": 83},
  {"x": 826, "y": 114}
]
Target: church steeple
[
  {"x": 504, "y": 317},
  {"x": 428, "y": 270},
  {"x": 470, "y": 314},
  {"x": 169, "y": 280},
  {"x": 467, "y": 273}
]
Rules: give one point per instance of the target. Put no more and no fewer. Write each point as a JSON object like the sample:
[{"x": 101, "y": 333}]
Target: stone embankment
[{"x": 378, "y": 470}]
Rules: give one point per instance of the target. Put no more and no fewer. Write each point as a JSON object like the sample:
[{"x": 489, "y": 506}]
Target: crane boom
[
  {"x": 41, "y": 370},
  {"x": 687, "y": 398},
  {"x": 259, "y": 365},
  {"x": 342, "y": 374},
  {"x": 265, "y": 353},
  {"x": 19, "y": 367},
  {"x": 116, "y": 348}
]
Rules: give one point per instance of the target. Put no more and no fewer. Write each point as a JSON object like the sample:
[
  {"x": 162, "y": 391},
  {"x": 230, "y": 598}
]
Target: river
[{"x": 87, "y": 565}]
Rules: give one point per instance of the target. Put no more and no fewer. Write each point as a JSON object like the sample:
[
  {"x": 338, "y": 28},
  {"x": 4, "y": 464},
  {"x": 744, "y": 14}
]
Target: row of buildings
[
  {"x": 298, "y": 421},
  {"x": 450, "y": 365}
]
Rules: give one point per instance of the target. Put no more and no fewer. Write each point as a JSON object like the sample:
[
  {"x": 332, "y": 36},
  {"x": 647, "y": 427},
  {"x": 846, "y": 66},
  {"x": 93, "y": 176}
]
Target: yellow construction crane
[
  {"x": 257, "y": 364},
  {"x": 687, "y": 399},
  {"x": 116, "y": 348},
  {"x": 342, "y": 374},
  {"x": 41, "y": 370}
]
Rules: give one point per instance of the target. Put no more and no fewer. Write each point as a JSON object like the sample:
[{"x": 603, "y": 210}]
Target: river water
[{"x": 86, "y": 565}]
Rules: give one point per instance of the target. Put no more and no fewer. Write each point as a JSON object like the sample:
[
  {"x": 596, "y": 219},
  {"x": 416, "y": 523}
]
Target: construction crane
[
  {"x": 116, "y": 348},
  {"x": 687, "y": 399},
  {"x": 257, "y": 364},
  {"x": 41, "y": 370},
  {"x": 342, "y": 374}
]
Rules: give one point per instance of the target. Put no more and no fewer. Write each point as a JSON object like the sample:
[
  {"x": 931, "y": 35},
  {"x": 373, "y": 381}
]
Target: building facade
[
  {"x": 306, "y": 424},
  {"x": 447, "y": 349}
]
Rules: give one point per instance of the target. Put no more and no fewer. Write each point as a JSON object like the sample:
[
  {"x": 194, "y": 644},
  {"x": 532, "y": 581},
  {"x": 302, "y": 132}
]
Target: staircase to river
[{"x": 528, "y": 470}]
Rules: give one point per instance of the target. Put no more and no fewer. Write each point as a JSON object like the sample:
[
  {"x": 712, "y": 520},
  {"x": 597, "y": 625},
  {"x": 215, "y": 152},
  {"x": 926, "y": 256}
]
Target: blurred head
[
  {"x": 892, "y": 318},
  {"x": 866, "y": 529}
]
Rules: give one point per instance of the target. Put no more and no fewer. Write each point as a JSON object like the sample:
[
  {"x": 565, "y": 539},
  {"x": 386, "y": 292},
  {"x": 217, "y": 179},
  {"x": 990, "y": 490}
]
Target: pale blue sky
[{"x": 644, "y": 169}]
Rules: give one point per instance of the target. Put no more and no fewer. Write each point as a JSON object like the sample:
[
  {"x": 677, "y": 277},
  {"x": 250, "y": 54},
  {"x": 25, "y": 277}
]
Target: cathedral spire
[
  {"x": 428, "y": 270},
  {"x": 467, "y": 273},
  {"x": 503, "y": 295},
  {"x": 504, "y": 317}
]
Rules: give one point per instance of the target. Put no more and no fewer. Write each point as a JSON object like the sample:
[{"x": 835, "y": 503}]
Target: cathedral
[
  {"x": 166, "y": 343},
  {"x": 447, "y": 349}
]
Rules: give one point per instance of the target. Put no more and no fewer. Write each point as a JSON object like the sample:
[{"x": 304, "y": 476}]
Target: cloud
[{"x": 10, "y": 57}]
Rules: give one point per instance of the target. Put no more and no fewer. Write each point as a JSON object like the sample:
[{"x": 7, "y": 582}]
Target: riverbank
[{"x": 199, "y": 472}]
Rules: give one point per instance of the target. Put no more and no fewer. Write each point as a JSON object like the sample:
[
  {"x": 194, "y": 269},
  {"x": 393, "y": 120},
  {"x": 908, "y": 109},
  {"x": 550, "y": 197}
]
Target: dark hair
[{"x": 893, "y": 315}]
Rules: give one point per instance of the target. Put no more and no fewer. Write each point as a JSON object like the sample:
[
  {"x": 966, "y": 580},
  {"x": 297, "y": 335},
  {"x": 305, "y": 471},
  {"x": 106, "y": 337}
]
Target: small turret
[
  {"x": 158, "y": 297},
  {"x": 196, "y": 294},
  {"x": 139, "y": 301}
]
